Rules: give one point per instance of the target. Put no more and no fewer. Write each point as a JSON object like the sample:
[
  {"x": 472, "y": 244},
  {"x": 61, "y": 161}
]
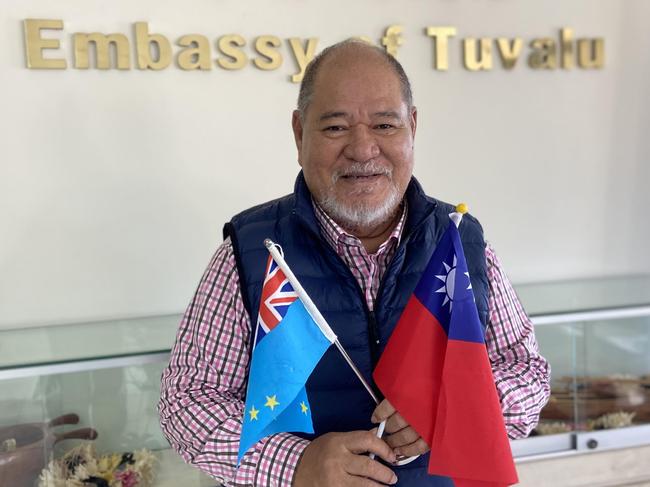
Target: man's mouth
[
  {"x": 362, "y": 173},
  {"x": 361, "y": 177}
]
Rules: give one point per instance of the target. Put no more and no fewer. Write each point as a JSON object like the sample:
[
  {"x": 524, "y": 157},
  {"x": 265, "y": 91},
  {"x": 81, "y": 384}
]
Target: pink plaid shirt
[{"x": 202, "y": 399}]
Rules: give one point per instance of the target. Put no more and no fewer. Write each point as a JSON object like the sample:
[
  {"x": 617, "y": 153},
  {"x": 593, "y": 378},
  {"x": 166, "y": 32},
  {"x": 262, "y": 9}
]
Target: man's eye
[
  {"x": 384, "y": 126},
  {"x": 334, "y": 128}
]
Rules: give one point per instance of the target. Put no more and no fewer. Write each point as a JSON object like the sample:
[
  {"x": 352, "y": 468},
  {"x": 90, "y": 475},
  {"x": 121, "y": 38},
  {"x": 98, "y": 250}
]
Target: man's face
[{"x": 355, "y": 143}]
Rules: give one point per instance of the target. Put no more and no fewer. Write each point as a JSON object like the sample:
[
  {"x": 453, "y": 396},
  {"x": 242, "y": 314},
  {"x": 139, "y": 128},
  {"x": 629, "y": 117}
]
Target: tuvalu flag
[
  {"x": 288, "y": 346},
  {"x": 436, "y": 372}
]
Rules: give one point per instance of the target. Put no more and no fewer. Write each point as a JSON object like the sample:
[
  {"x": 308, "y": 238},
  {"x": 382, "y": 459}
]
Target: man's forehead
[
  {"x": 367, "y": 79},
  {"x": 352, "y": 61}
]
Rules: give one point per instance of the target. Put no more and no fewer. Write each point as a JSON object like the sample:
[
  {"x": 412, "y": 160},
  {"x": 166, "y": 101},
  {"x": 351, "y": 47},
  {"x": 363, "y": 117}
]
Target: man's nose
[{"x": 362, "y": 144}]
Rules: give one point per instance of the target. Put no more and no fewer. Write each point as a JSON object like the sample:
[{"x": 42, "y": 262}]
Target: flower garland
[{"x": 80, "y": 467}]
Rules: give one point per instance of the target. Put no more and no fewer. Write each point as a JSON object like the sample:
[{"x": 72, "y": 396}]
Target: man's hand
[
  {"x": 339, "y": 459},
  {"x": 400, "y": 436}
]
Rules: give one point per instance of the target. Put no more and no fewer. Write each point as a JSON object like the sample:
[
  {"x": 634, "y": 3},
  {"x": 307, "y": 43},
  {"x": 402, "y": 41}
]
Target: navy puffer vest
[{"x": 338, "y": 401}]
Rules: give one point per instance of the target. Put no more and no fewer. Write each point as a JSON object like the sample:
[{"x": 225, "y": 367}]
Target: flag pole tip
[
  {"x": 461, "y": 208},
  {"x": 268, "y": 243}
]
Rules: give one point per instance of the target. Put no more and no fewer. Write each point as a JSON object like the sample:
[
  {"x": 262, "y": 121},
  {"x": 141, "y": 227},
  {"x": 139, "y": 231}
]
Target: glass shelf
[
  {"x": 585, "y": 295},
  {"x": 82, "y": 341}
]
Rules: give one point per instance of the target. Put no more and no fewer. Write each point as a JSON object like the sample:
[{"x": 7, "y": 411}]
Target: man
[{"x": 357, "y": 231}]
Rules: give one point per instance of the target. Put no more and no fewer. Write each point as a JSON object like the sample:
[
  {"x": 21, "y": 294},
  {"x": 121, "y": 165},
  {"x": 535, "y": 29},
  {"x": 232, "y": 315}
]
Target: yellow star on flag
[
  {"x": 304, "y": 407},
  {"x": 253, "y": 412},
  {"x": 271, "y": 401}
]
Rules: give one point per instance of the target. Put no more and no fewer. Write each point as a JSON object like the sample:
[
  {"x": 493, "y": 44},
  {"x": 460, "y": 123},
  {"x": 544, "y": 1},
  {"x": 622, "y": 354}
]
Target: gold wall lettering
[
  {"x": 271, "y": 58},
  {"x": 543, "y": 55},
  {"x": 566, "y": 45},
  {"x": 197, "y": 54},
  {"x": 102, "y": 43},
  {"x": 235, "y": 58},
  {"x": 154, "y": 51},
  {"x": 441, "y": 37},
  {"x": 509, "y": 51},
  {"x": 162, "y": 49},
  {"x": 393, "y": 39},
  {"x": 474, "y": 61},
  {"x": 591, "y": 53},
  {"x": 303, "y": 56},
  {"x": 35, "y": 44}
]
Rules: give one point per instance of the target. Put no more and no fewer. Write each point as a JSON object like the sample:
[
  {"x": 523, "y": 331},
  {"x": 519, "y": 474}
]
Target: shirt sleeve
[
  {"x": 521, "y": 374},
  {"x": 203, "y": 387}
]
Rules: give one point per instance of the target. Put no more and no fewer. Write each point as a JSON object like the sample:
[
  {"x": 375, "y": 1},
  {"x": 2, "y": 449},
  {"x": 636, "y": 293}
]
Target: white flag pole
[
  {"x": 314, "y": 313},
  {"x": 457, "y": 215}
]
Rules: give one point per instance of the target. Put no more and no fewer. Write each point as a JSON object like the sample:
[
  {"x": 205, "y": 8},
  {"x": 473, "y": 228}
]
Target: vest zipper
[{"x": 373, "y": 333}]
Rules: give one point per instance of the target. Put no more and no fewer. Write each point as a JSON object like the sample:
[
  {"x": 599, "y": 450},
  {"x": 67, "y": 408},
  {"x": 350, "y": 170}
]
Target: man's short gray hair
[{"x": 307, "y": 86}]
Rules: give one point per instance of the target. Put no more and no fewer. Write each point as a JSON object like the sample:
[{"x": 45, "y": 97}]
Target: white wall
[{"x": 114, "y": 185}]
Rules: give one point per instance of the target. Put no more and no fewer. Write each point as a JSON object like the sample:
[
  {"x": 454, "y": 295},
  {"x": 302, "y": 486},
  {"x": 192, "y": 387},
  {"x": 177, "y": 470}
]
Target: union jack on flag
[{"x": 277, "y": 296}]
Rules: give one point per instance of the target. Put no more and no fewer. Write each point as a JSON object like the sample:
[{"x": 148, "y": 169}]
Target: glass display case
[
  {"x": 98, "y": 383},
  {"x": 596, "y": 335}
]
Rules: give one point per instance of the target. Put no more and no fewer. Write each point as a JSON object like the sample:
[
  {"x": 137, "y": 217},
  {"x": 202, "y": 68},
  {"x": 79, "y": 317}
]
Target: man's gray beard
[{"x": 360, "y": 216}]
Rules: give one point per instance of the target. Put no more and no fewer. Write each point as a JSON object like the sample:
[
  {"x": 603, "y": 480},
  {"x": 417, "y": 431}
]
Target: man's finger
[
  {"x": 417, "y": 448},
  {"x": 383, "y": 411},
  {"x": 404, "y": 437},
  {"x": 366, "y": 442},
  {"x": 362, "y": 466},
  {"x": 395, "y": 423}
]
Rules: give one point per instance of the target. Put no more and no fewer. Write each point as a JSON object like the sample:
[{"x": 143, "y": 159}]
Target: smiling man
[{"x": 357, "y": 231}]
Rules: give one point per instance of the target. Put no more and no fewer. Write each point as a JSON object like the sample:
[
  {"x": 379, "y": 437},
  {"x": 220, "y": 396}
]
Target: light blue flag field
[{"x": 283, "y": 359}]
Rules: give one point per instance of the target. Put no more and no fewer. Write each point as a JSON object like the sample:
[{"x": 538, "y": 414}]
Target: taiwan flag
[
  {"x": 288, "y": 346},
  {"x": 435, "y": 371}
]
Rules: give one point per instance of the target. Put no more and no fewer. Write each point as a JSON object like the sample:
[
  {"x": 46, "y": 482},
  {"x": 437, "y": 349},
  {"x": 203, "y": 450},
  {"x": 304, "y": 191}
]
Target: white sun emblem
[{"x": 449, "y": 280}]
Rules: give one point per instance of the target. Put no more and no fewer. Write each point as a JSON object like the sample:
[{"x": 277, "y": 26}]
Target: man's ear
[{"x": 296, "y": 124}]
